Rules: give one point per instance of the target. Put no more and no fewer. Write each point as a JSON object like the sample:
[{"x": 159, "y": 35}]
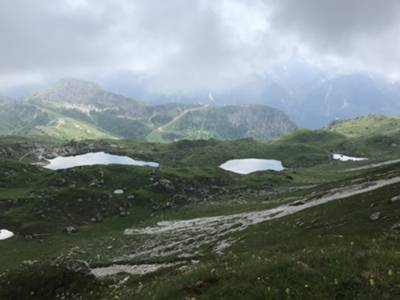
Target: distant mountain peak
[
  {"x": 69, "y": 90},
  {"x": 73, "y": 83},
  {"x": 82, "y": 95}
]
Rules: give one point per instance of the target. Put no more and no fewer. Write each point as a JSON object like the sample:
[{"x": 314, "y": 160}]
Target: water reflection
[
  {"x": 98, "y": 158},
  {"x": 250, "y": 165}
]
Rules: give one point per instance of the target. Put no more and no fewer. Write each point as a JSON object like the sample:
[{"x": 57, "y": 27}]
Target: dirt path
[
  {"x": 186, "y": 111},
  {"x": 371, "y": 166}
]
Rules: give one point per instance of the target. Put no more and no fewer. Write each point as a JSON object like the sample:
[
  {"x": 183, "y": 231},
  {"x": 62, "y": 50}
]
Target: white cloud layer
[{"x": 180, "y": 46}]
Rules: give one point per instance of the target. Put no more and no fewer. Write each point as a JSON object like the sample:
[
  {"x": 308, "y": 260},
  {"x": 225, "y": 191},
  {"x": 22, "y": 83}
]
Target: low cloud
[{"x": 181, "y": 46}]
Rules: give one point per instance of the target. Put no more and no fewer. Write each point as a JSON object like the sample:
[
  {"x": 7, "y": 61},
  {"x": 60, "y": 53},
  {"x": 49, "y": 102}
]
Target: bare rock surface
[{"x": 189, "y": 238}]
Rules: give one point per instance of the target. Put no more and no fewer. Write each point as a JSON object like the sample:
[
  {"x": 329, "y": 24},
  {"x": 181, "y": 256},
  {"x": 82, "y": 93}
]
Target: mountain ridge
[{"x": 88, "y": 108}]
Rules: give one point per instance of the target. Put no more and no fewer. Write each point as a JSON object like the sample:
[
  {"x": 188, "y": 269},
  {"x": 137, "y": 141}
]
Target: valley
[
  {"x": 199, "y": 150},
  {"x": 320, "y": 228}
]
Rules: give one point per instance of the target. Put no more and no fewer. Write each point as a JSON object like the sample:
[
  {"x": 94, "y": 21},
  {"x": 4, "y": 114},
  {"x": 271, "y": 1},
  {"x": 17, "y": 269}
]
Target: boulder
[
  {"x": 119, "y": 192},
  {"x": 78, "y": 266},
  {"x": 297, "y": 203},
  {"x": 395, "y": 198},
  {"x": 97, "y": 219},
  {"x": 70, "y": 229},
  {"x": 166, "y": 184},
  {"x": 396, "y": 227},
  {"x": 375, "y": 216}
]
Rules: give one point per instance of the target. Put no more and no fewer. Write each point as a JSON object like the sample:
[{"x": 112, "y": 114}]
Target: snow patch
[
  {"x": 342, "y": 157},
  {"x": 5, "y": 234},
  {"x": 211, "y": 97}
]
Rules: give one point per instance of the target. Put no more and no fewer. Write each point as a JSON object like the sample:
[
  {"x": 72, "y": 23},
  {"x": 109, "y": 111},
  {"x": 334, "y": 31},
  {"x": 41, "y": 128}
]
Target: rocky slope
[
  {"x": 227, "y": 123},
  {"x": 313, "y": 98},
  {"x": 85, "y": 97}
]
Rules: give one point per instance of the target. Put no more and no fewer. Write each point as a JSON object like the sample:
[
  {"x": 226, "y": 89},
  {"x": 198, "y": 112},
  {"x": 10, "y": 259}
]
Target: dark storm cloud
[{"x": 190, "y": 46}]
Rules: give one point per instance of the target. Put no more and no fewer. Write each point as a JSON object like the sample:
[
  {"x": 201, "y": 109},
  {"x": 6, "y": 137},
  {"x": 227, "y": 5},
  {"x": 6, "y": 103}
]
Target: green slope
[
  {"x": 367, "y": 126},
  {"x": 331, "y": 251},
  {"x": 79, "y": 104},
  {"x": 30, "y": 120}
]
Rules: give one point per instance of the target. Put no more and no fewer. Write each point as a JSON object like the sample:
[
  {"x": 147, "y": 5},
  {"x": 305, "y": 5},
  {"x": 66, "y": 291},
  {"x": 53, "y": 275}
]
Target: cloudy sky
[{"x": 187, "y": 46}]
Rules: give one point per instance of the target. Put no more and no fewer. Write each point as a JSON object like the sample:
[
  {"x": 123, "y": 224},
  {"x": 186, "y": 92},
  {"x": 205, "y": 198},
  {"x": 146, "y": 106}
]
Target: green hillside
[
  {"x": 367, "y": 126},
  {"x": 30, "y": 120},
  {"x": 74, "y": 109},
  {"x": 71, "y": 222}
]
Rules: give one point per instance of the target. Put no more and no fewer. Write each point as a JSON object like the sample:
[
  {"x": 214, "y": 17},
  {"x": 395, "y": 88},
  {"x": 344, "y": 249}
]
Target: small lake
[
  {"x": 251, "y": 165},
  {"x": 97, "y": 158}
]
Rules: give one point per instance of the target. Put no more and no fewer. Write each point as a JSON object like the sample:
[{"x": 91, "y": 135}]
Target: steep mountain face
[
  {"x": 74, "y": 109},
  {"x": 227, "y": 123},
  {"x": 318, "y": 99},
  {"x": 313, "y": 98},
  {"x": 85, "y": 97},
  {"x": 347, "y": 97}
]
